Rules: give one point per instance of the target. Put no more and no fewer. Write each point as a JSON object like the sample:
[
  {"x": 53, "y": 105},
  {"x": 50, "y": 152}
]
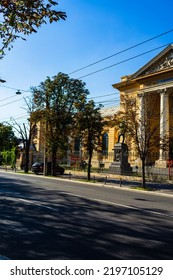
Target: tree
[
  {"x": 141, "y": 117},
  {"x": 25, "y": 136},
  {"x": 25, "y": 132},
  {"x": 57, "y": 100},
  {"x": 20, "y": 18},
  {"x": 7, "y": 137},
  {"x": 90, "y": 127},
  {"x": 9, "y": 157}
]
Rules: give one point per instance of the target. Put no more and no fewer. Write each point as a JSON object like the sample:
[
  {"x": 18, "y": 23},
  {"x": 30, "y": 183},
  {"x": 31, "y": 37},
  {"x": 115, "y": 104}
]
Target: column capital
[
  {"x": 140, "y": 95},
  {"x": 163, "y": 91}
]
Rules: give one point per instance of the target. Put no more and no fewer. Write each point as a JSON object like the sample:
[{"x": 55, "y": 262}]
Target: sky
[{"x": 94, "y": 30}]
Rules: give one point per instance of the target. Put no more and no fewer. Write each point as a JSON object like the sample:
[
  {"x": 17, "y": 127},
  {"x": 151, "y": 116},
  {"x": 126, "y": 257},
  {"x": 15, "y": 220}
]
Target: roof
[
  {"x": 161, "y": 63},
  {"x": 153, "y": 62},
  {"x": 109, "y": 111}
]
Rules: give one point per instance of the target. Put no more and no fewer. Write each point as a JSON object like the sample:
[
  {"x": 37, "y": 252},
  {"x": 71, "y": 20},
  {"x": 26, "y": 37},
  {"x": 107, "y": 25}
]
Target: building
[{"x": 155, "y": 79}]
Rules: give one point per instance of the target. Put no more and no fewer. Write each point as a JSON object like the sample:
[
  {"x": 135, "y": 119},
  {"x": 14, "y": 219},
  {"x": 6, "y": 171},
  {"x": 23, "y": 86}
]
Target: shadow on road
[{"x": 61, "y": 226}]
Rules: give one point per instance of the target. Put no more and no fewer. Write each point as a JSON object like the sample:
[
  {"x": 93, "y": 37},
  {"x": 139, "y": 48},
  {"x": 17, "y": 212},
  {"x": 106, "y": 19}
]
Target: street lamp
[{"x": 18, "y": 92}]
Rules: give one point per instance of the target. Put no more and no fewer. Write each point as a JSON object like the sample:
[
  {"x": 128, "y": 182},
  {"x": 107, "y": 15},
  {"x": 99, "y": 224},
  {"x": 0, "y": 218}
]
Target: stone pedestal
[
  {"x": 120, "y": 164},
  {"x": 160, "y": 163}
]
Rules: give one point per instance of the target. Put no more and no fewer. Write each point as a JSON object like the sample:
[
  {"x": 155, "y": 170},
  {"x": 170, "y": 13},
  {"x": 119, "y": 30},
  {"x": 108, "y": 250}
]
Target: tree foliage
[
  {"x": 9, "y": 157},
  {"x": 7, "y": 137},
  {"x": 25, "y": 136},
  {"x": 25, "y": 132},
  {"x": 57, "y": 101},
  {"x": 20, "y": 18},
  {"x": 90, "y": 127}
]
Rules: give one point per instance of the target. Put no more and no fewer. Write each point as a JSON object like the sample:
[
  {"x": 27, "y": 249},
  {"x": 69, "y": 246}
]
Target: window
[
  {"x": 105, "y": 143},
  {"x": 77, "y": 144}
]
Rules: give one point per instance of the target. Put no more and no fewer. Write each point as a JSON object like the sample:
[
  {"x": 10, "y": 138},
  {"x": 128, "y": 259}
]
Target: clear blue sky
[{"x": 94, "y": 29}]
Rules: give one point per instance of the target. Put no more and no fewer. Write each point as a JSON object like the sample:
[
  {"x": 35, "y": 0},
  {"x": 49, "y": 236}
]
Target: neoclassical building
[{"x": 155, "y": 78}]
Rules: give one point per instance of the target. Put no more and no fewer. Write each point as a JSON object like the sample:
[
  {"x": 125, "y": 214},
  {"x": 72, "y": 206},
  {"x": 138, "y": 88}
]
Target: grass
[{"x": 144, "y": 188}]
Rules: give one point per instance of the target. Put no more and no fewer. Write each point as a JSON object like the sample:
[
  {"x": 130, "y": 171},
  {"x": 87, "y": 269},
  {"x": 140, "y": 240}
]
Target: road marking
[
  {"x": 37, "y": 203},
  {"x": 122, "y": 205}
]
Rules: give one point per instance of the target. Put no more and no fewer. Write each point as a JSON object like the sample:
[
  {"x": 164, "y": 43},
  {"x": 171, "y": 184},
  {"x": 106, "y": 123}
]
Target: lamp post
[{"x": 18, "y": 92}]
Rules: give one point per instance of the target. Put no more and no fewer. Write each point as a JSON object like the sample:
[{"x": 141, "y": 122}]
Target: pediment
[{"x": 163, "y": 61}]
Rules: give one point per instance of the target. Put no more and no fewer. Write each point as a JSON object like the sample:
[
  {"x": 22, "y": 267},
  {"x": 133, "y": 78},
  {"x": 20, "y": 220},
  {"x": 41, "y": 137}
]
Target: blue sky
[{"x": 94, "y": 30}]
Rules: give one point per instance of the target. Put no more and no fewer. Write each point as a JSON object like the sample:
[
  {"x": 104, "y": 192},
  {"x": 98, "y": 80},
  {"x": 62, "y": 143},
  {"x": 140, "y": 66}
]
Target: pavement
[{"x": 128, "y": 182}]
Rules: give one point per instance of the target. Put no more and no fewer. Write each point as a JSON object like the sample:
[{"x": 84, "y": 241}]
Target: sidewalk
[{"x": 122, "y": 181}]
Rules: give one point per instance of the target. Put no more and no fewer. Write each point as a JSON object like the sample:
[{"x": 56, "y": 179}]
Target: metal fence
[{"x": 102, "y": 161}]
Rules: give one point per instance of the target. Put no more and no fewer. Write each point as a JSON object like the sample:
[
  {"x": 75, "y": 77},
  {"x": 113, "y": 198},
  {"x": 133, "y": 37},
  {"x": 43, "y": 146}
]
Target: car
[{"x": 38, "y": 167}]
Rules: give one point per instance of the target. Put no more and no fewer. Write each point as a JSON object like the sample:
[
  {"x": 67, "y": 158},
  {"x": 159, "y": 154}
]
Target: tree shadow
[{"x": 61, "y": 226}]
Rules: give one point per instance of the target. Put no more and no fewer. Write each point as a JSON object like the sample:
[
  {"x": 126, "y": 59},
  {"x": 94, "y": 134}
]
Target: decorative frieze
[{"x": 164, "y": 63}]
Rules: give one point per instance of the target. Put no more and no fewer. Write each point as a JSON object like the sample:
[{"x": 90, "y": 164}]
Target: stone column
[{"x": 164, "y": 127}]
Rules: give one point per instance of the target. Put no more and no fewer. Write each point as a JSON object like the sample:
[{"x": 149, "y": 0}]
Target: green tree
[
  {"x": 57, "y": 99},
  {"x": 7, "y": 137},
  {"x": 20, "y": 18},
  {"x": 9, "y": 157},
  {"x": 26, "y": 131},
  {"x": 90, "y": 127},
  {"x": 25, "y": 134}
]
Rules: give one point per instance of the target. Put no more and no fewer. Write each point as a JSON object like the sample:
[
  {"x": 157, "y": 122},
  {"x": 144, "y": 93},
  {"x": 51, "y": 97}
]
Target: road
[{"x": 47, "y": 218}]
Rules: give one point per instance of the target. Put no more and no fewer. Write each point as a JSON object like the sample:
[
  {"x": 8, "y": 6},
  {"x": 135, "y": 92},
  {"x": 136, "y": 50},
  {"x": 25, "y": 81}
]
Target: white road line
[
  {"x": 37, "y": 203},
  {"x": 123, "y": 206}
]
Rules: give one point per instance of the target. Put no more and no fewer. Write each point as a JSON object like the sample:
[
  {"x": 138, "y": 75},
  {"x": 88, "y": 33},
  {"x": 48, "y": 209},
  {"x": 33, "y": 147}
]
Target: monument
[{"x": 120, "y": 164}]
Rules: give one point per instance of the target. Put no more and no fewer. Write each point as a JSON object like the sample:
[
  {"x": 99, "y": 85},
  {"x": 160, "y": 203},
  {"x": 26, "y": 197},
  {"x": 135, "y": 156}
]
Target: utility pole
[{"x": 46, "y": 131}]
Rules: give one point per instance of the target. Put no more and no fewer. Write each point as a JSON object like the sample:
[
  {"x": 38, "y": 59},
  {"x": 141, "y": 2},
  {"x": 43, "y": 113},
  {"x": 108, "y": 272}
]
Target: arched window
[
  {"x": 105, "y": 143},
  {"x": 77, "y": 143}
]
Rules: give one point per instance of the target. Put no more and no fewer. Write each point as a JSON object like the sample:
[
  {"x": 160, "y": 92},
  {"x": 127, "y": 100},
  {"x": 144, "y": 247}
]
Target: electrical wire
[
  {"x": 18, "y": 117},
  {"x": 14, "y": 88},
  {"x": 8, "y": 98},
  {"x": 120, "y": 52},
  {"x": 97, "y": 71},
  {"x": 120, "y": 62},
  {"x": 10, "y": 102},
  {"x": 90, "y": 98},
  {"x": 123, "y": 61}
]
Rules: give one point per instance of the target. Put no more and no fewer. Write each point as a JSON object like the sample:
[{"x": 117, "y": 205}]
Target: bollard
[
  {"x": 69, "y": 175},
  {"x": 120, "y": 182},
  {"x": 105, "y": 180}
]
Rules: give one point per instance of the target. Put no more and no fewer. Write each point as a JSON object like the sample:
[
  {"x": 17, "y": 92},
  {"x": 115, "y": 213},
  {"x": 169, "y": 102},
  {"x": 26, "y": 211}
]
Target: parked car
[{"x": 38, "y": 167}]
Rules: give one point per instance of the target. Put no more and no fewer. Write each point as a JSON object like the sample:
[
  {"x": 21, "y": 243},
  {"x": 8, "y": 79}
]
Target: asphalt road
[{"x": 42, "y": 218}]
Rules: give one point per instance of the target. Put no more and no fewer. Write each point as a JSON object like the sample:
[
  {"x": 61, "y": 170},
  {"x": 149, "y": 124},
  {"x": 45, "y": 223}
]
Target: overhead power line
[
  {"x": 123, "y": 61},
  {"x": 120, "y": 52},
  {"x": 8, "y": 98},
  {"x": 10, "y": 102},
  {"x": 96, "y": 62},
  {"x": 12, "y": 88},
  {"x": 89, "y": 98},
  {"x": 19, "y": 117}
]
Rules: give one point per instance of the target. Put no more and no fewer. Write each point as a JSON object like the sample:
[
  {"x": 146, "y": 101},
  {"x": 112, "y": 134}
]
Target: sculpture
[{"x": 121, "y": 132}]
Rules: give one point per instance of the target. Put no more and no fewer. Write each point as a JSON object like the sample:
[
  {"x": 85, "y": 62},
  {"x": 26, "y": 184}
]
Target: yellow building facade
[{"x": 154, "y": 79}]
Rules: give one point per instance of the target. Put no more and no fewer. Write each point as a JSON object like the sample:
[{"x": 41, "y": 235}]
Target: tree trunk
[
  {"x": 45, "y": 161},
  {"x": 89, "y": 166},
  {"x": 143, "y": 174},
  {"x": 26, "y": 169},
  {"x": 27, "y": 149},
  {"x": 53, "y": 167}
]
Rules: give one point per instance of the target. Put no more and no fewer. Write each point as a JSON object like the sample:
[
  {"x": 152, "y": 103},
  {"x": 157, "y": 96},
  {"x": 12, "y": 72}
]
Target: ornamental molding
[
  {"x": 163, "y": 64},
  {"x": 159, "y": 88},
  {"x": 162, "y": 61}
]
